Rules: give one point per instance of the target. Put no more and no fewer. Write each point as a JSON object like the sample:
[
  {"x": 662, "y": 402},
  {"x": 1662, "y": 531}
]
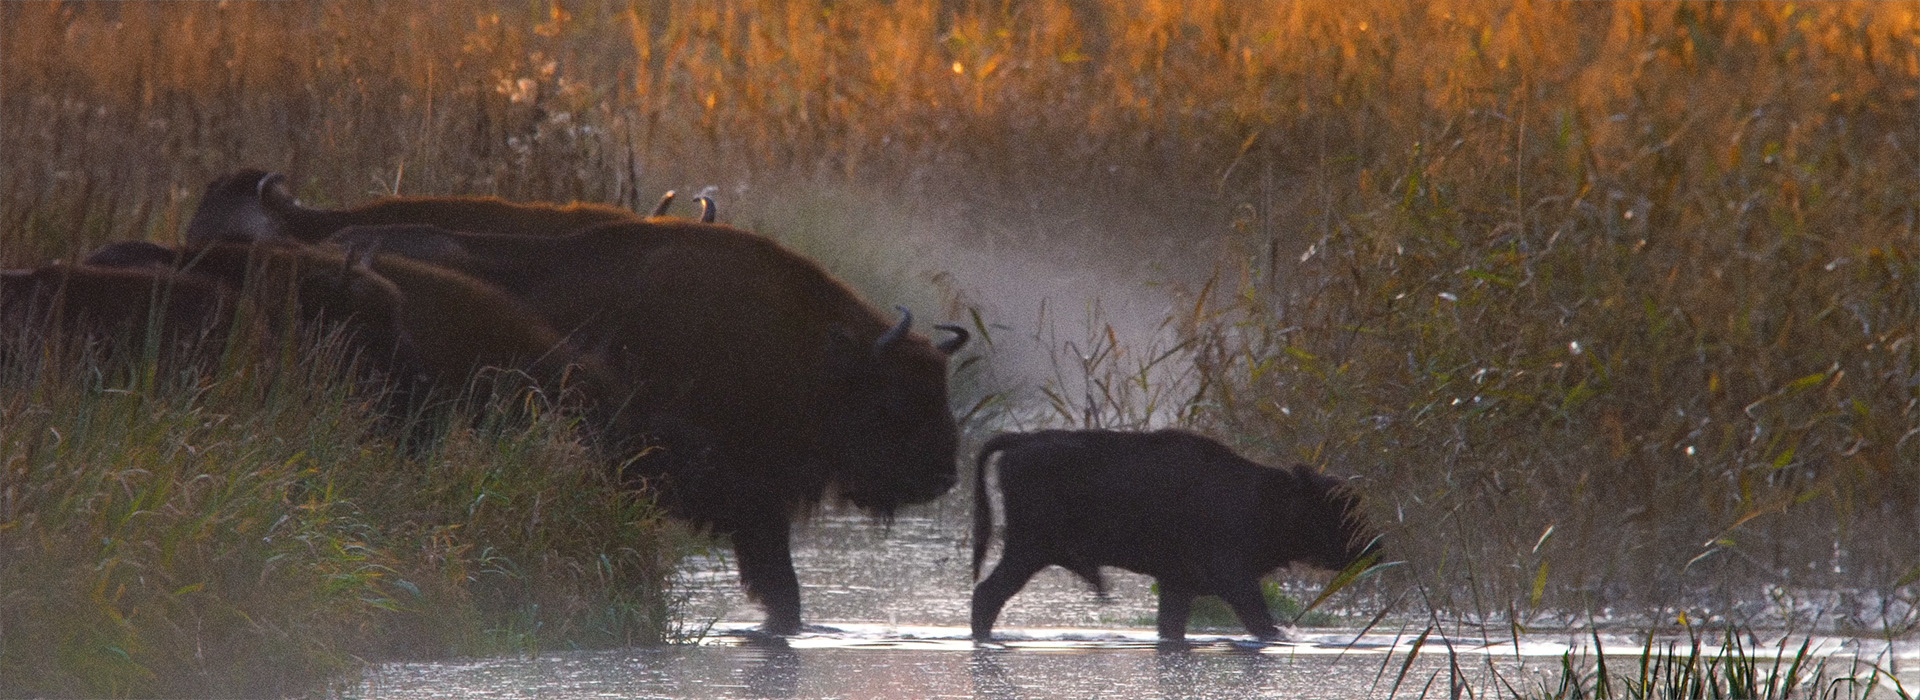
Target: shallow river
[{"x": 894, "y": 605}]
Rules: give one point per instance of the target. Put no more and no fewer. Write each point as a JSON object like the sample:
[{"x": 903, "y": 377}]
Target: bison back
[{"x": 1160, "y": 503}]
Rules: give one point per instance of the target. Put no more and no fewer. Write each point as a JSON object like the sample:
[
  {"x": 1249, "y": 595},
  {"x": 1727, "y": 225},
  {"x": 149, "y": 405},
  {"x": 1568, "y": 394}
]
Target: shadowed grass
[{"x": 255, "y": 534}]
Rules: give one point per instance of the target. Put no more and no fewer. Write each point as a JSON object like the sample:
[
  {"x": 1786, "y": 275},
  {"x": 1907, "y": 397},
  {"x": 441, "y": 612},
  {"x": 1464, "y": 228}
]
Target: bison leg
[
  {"x": 1251, "y": 607},
  {"x": 1176, "y": 604},
  {"x": 766, "y": 571},
  {"x": 1007, "y": 578}
]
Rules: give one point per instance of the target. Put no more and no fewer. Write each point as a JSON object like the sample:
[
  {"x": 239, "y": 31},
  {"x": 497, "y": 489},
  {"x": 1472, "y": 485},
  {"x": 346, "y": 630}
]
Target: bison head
[
  {"x": 249, "y": 205},
  {"x": 890, "y": 439},
  {"x": 1325, "y": 527}
]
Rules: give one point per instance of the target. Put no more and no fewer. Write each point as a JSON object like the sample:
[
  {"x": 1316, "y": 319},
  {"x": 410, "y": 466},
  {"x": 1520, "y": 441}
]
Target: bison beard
[{"x": 1172, "y": 505}]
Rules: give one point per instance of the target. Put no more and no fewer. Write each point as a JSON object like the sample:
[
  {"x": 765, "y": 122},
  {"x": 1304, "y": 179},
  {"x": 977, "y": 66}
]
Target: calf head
[{"x": 1324, "y": 525}]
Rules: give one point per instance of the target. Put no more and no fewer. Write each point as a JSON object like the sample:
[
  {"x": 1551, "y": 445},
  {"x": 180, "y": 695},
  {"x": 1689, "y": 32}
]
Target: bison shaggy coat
[
  {"x": 1172, "y": 505},
  {"x": 769, "y": 383},
  {"x": 114, "y": 313},
  {"x": 419, "y": 329}
]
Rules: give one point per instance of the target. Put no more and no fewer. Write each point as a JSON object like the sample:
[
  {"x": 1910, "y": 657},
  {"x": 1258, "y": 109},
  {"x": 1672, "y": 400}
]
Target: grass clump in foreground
[
  {"x": 1694, "y": 670},
  {"x": 253, "y": 534}
]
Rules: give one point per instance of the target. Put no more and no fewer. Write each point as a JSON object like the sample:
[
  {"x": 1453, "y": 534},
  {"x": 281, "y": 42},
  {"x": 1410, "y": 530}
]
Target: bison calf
[{"x": 1172, "y": 505}]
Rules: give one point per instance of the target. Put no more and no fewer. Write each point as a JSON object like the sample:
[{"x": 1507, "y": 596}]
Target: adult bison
[
  {"x": 1173, "y": 505},
  {"x": 255, "y": 205},
  {"x": 778, "y": 377},
  {"x": 771, "y": 385},
  {"x": 418, "y": 328},
  {"x": 422, "y": 320},
  {"x": 113, "y": 313}
]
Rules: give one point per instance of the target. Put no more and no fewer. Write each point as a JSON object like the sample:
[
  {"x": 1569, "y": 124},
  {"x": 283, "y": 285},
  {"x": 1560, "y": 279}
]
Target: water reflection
[
  {"x": 776, "y": 672},
  {"x": 890, "y": 591},
  {"x": 871, "y": 662},
  {"x": 989, "y": 676}
]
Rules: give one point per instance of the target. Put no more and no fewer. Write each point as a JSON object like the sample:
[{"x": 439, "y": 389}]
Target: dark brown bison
[
  {"x": 254, "y": 205},
  {"x": 1170, "y": 504},
  {"x": 419, "y": 328},
  {"x": 113, "y": 313},
  {"x": 133, "y": 254},
  {"x": 426, "y": 319},
  {"x": 772, "y": 380}
]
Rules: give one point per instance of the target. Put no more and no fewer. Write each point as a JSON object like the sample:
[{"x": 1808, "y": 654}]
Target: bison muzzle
[{"x": 1172, "y": 505}]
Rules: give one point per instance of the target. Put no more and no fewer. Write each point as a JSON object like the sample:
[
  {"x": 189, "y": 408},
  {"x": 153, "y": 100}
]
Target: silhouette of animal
[
  {"x": 420, "y": 325},
  {"x": 132, "y": 254},
  {"x": 254, "y": 205},
  {"x": 1170, "y": 504},
  {"x": 775, "y": 383},
  {"x": 418, "y": 328},
  {"x": 116, "y": 314}
]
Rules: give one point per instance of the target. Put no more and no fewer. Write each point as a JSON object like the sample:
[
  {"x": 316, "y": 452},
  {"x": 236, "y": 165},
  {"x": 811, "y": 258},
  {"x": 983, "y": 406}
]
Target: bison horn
[
  {"x": 707, "y": 209},
  {"x": 666, "y": 200},
  {"x": 894, "y": 334},
  {"x": 272, "y": 189},
  {"x": 953, "y": 344}
]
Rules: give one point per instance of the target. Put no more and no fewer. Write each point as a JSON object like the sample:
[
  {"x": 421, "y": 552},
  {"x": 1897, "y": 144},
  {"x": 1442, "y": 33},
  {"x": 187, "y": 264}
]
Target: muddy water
[{"x": 891, "y": 604}]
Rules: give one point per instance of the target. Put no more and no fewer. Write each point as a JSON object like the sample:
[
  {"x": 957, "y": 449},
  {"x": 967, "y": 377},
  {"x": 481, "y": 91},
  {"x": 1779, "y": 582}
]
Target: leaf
[
  {"x": 1490, "y": 278},
  {"x": 980, "y": 325},
  {"x": 1543, "y": 538},
  {"x": 1412, "y": 654},
  {"x": 1354, "y": 572},
  {"x": 1911, "y": 577},
  {"x": 1539, "y": 583},
  {"x": 1783, "y": 459},
  {"x": 1804, "y": 383}
]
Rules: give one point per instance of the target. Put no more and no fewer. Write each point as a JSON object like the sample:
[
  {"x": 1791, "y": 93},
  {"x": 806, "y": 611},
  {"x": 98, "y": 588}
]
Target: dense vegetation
[
  {"x": 1613, "y": 307},
  {"x": 254, "y": 533}
]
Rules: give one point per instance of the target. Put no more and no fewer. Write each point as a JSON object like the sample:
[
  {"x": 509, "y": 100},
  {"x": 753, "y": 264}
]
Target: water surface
[{"x": 892, "y": 603}]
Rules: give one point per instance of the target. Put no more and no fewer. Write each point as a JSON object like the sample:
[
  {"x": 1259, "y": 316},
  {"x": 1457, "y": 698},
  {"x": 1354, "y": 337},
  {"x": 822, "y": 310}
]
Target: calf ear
[{"x": 1282, "y": 488}]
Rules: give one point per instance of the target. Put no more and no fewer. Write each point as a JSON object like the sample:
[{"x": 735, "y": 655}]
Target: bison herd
[{"x": 735, "y": 379}]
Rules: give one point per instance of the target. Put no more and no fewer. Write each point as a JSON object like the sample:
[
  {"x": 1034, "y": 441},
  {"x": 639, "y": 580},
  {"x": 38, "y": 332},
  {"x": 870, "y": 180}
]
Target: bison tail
[{"x": 982, "y": 505}]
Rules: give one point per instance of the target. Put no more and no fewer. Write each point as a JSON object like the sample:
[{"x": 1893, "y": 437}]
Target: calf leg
[
  {"x": 1176, "y": 605},
  {"x": 1251, "y": 607},
  {"x": 766, "y": 571},
  {"x": 992, "y": 593}
]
